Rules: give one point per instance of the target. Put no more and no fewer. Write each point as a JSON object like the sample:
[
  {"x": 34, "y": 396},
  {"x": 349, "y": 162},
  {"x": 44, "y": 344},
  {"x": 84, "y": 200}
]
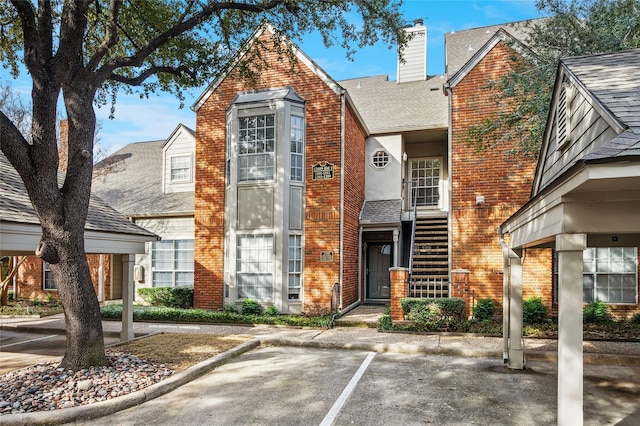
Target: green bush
[
  {"x": 251, "y": 307},
  {"x": 596, "y": 313},
  {"x": 169, "y": 297},
  {"x": 449, "y": 309},
  {"x": 385, "y": 323},
  {"x": 484, "y": 310},
  {"x": 271, "y": 311},
  {"x": 635, "y": 319},
  {"x": 533, "y": 311},
  {"x": 231, "y": 308}
]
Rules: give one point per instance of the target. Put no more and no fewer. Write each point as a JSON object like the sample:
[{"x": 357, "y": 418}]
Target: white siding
[
  {"x": 181, "y": 143},
  {"x": 414, "y": 67}
]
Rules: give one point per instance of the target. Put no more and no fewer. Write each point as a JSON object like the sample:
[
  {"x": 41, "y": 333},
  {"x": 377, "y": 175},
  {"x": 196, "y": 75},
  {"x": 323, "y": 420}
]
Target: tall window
[
  {"x": 181, "y": 168},
  {"x": 297, "y": 148},
  {"x": 172, "y": 263},
  {"x": 227, "y": 168},
  {"x": 48, "y": 283},
  {"x": 610, "y": 275},
  {"x": 254, "y": 266},
  {"x": 256, "y": 147},
  {"x": 425, "y": 175},
  {"x": 295, "y": 266}
]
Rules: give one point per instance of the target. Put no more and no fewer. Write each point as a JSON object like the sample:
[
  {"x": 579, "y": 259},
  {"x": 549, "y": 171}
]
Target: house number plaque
[
  {"x": 321, "y": 172},
  {"x": 326, "y": 256}
]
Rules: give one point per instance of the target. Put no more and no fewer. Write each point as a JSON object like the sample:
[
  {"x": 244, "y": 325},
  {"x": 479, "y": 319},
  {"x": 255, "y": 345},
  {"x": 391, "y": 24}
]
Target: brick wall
[
  {"x": 322, "y": 197},
  {"x": 30, "y": 278},
  {"x": 504, "y": 182}
]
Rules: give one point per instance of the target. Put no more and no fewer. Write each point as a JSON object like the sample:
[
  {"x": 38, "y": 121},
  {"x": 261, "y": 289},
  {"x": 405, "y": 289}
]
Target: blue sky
[{"x": 155, "y": 118}]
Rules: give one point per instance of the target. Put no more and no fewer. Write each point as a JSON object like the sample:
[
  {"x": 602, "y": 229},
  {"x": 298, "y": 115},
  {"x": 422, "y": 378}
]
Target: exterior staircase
[{"x": 430, "y": 269}]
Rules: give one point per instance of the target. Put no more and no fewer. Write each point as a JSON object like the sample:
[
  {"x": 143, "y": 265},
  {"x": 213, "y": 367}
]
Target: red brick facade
[
  {"x": 505, "y": 183},
  {"x": 322, "y": 218}
]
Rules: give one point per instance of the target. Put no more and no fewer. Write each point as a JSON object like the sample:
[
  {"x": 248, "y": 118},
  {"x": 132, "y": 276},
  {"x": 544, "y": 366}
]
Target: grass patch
[
  {"x": 22, "y": 307},
  {"x": 153, "y": 313}
]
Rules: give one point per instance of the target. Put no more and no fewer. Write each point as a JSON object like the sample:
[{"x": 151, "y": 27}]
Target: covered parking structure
[
  {"x": 106, "y": 232},
  {"x": 586, "y": 194}
]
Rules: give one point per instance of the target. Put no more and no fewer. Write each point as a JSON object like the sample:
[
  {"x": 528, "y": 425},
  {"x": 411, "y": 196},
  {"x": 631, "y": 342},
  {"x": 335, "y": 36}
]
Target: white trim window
[
  {"x": 47, "y": 281},
  {"x": 297, "y": 148},
  {"x": 256, "y": 147},
  {"x": 172, "y": 263},
  {"x": 295, "y": 267},
  {"x": 425, "y": 176},
  {"x": 255, "y": 266},
  {"x": 180, "y": 168},
  {"x": 380, "y": 159},
  {"x": 610, "y": 275}
]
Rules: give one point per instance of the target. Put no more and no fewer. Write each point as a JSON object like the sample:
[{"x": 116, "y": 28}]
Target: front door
[{"x": 378, "y": 264}]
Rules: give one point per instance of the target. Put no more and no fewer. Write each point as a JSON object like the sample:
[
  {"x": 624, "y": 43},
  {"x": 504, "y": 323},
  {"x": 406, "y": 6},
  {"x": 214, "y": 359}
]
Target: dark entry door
[{"x": 378, "y": 263}]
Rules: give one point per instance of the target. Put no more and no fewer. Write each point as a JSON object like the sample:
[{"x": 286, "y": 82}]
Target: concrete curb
[
  {"x": 53, "y": 330},
  {"x": 101, "y": 409}
]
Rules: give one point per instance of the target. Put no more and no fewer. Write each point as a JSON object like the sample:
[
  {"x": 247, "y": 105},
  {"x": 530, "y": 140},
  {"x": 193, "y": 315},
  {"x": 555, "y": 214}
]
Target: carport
[
  {"x": 586, "y": 193},
  {"x": 106, "y": 232}
]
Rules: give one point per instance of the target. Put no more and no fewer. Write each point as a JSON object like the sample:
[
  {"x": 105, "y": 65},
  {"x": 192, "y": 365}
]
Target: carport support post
[
  {"x": 126, "y": 333},
  {"x": 516, "y": 353},
  {"x": 570, "y": 364}
]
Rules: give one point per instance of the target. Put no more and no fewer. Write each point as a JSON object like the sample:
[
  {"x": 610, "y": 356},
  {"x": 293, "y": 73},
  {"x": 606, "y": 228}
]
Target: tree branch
[
  {"x": 111, "y": 36},
  {"x": 140, "y": 78},
  {"x": 29, "y": 31},
  {"x": 15, "y": 147},
  {"x": 138, "y": 58}
]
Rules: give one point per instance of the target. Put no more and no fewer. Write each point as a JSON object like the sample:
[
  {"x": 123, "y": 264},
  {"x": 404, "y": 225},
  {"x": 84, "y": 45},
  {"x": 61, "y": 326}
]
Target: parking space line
[
  {"x": 337, "y": 406},
  {"x": 29, "y": 341}
]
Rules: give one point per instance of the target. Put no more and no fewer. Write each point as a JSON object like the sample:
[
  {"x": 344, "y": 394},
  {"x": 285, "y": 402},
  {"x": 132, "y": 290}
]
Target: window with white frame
[
  {"x": 425, "y": 178},
  {"x": 295, "y": 266},
  {"x": 181, "y": 168},
  {"x": 380, "y": 159},
  {"x": 256, "y": 147},
  {"x": 254, "y": 266},
  {"x": 227, "y": 169},
  {"x": 297, "y": 148},
  {"x": 172, "y": 263},
  {"x": 610, "y": 275},
  {"x": 47, "y": 282}
]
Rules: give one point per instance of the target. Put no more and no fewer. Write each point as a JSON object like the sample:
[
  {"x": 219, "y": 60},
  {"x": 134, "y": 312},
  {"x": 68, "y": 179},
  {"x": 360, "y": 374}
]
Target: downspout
[
  {"x": 342, "y": 164},
  {"x": 505, "y": 296},
  {"x": 448, "y": 90},
  {"x": 360, "y": 264}
]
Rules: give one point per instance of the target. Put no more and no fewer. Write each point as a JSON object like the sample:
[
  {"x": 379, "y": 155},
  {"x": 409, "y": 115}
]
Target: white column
[
  {"x": 127, "y": 297},
  {"x": 516, "y": 353},
  {"x": 570, "y": 364},
  {"x": 396, "y": 234}
]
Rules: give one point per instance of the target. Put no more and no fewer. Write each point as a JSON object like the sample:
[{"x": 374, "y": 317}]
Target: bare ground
[{"x": 179, "y": 351}]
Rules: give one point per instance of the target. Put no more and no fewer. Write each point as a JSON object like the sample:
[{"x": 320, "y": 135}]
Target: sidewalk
[{"x": 362, "y": 337}]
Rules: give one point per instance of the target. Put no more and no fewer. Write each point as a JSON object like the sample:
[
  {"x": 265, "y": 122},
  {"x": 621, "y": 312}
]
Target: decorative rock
[{"x": 84, "y": 385}]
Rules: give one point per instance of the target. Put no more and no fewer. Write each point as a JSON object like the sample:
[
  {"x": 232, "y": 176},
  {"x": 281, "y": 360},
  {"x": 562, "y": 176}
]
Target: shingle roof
[
  {"x": 614, "y": 81},
  {"x": 15, "y": 206},
  {"x": 386, "y": 106},
  {"x": 130, "y": 181},
  {"x": 460, "y": 46},
  {"x": 381, "y": 212}
]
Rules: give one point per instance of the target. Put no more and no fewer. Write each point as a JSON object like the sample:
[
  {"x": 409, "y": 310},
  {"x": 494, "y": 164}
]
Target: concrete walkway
[{"x": 613, "y": 355}]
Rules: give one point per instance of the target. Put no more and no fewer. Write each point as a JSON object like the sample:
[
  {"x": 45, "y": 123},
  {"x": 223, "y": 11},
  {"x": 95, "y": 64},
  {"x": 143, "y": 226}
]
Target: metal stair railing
[{"x": 413, "y": 226}]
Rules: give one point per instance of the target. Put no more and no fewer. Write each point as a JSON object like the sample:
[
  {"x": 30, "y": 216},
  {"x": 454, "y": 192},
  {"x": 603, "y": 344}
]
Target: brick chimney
[
  {"x": 63, "y": 146},
  {"x": 414, "y": 67}
]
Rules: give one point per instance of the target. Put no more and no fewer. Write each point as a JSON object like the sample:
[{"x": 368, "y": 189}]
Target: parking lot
[{"x": 304, "y": 386}]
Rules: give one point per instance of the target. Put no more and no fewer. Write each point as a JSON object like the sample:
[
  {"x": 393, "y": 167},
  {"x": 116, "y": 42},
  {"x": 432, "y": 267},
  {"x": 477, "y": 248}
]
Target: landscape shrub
[
  {"x": 635, "y": 319},
  {"x": 271, "y": 311},
  {"x": 251, "y": 307},
  {"x": 433, "y": 310},
  {"x": 169, "y": 297},
  {"x": 596, "y": 313},
  {"x": 484, "y": 310},
  {"x": 385, "y": 323},
  {"x": 231, "y": 308},
  {"x": 533, "y": 311}
]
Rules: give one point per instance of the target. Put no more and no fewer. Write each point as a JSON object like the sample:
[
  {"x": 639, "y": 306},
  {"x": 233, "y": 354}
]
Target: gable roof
[
  {"x": 387, "y": 106},
  {"x": 299, "y": 54},
  {"x": 16, "y": 207},
  {"x": 130, "y": 180},
  {"x": 613, "y": 81}
]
